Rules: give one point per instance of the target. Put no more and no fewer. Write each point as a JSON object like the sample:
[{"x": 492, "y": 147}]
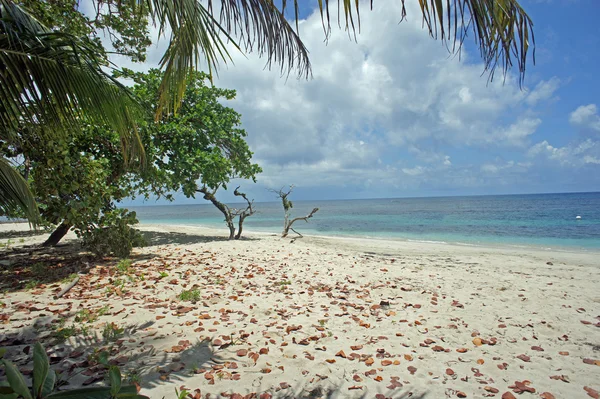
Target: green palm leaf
[
  {"x": 15, "y": 194},
  {"x": 54, "y": 79},
  {"x": 199, "y": 34}
]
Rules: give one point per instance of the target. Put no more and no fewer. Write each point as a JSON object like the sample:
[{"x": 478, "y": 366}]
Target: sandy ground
[{"x": 318, "y": 317}]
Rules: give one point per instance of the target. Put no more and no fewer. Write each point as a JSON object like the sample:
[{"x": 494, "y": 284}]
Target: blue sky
[{"x": 393, "y": 115}]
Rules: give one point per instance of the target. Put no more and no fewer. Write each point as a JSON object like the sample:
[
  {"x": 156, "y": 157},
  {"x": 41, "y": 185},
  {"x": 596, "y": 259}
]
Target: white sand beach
[{"x": 317, "y": 317}]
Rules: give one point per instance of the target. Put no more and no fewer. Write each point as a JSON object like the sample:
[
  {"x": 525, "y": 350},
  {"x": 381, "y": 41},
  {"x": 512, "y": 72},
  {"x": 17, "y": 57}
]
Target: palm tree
[{"x": 54, "y": 79}]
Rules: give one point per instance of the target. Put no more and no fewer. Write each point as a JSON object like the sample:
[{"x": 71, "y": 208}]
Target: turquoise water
[{"x": 543, "y": 220}]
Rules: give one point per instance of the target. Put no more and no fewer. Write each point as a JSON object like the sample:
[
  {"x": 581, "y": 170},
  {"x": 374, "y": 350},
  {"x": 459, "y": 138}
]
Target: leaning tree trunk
[
  {"x": 57, "y": 234},
  {"x": 210, "y": 196}
]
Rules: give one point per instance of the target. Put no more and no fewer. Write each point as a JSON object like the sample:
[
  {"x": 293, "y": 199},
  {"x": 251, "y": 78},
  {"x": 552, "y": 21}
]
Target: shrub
[{"x": 113, "y": 235}]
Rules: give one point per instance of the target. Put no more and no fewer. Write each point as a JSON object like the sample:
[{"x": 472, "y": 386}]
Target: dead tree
[
  {"x": 230, "y": 213},
  {"x": 243, "y": 213},
  {"x": 287, "y": 206}
]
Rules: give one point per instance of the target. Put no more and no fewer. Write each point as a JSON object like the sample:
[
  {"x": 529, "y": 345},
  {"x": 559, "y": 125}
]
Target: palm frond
[
  {"x": 251, "y": 25},
  {"x": 15, "y": 194},
  {"x": 501, "y": 29},
  {"x": 55, "y": 79}
]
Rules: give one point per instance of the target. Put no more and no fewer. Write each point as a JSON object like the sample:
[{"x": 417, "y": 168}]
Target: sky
[{"x": 395, "y": 115}]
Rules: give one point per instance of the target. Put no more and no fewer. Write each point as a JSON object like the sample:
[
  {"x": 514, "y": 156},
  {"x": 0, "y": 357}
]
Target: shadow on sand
[
  {"x": 78, "y": 361},
  {"x": 165, "y": 238}
]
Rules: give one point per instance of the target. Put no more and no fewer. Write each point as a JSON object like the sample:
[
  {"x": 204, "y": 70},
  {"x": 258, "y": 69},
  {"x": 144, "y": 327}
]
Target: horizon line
[{"x": 380, "y": 198}]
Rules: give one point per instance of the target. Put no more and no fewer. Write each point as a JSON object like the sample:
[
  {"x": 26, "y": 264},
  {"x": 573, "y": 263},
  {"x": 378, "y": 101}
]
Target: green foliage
[
  {"x": 202, "y": 145},
  {"x": 127, "y": 30},
  {"x": 62, "y": 333},
  {"x": 112, "y": 332},
  {"x": 78, "y": 179},
  {"x": 90, "y": 316},
  {"x": 113, "y": 234},
  {"x": 44, "y": 383},
  {"x": 124, "y": 266},
  {"x": 190, "y": 295},
  {"x": 163, "y": 274},
  {"x": 32, "y": 284}
]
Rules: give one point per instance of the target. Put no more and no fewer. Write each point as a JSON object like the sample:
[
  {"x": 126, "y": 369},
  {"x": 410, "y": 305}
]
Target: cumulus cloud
[
  {"x": 574, "y": 154},
  {"x": 586, "y": 116},
  {"x": 543, "y": 91}
]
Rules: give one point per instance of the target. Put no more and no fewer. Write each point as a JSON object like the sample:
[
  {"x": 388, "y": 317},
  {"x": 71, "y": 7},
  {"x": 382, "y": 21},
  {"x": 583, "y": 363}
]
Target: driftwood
[
  {"x": 67, "y": 288},
  {"x": 291, "y": 222},
  {"x": 287, "y": 206}
]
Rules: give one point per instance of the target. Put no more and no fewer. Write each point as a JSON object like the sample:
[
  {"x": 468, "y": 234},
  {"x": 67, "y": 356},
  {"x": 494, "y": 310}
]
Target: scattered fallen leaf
[{"x": 592, "y": 392}]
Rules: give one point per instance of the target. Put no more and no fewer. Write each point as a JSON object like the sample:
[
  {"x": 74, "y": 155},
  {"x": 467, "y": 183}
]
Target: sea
[{"x": 551, "y": 221}]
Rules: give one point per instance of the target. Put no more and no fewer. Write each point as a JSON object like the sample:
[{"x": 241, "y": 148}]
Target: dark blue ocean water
[{"x": 543, "y": 220}]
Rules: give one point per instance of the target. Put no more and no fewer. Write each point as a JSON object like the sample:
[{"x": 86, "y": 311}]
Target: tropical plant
[
  {"x": 44, "y": 383},
  {"x": 200, "y": 149},
  {"x": 35, "y": 93}
]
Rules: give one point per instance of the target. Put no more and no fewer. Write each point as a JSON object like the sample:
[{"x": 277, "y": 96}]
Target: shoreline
[{"x": 388, "y": 240}]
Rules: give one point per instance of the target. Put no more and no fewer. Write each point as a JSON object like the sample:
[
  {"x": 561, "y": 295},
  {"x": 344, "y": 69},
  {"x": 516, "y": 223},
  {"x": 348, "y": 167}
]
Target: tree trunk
[
  {"x": 241, "y": 222},
  {"x": 57, "y": 234},
  {"x": 222, "y": 207},
  {"x": 231, "y": 228}
]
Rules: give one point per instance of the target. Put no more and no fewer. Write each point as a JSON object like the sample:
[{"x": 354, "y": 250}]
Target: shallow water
[{"x": 542, "y": 220}]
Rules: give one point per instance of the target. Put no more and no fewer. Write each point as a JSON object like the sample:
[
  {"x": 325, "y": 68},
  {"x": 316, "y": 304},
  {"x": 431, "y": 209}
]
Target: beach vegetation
[
  {"x": 124, "y": 266},
  {"x": 192, "y": 295},
  {"x": 199, "y": 150},
  {"x": 31, "y": 284},
  {"x": 61, "y": 332},
  {"x": 45, "y": 382},
  {"x": 162, "y": 274},
  {"x": 112, "y": 332}
]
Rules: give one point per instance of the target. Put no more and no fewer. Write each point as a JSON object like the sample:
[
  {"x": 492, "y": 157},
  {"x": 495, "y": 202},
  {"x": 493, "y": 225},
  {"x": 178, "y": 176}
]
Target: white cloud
[
  {"x": 543, "y": 91},
  {"x": 573, "y": 154},
  {"x": 586, "y": 116},
  {"x": 517, "y": 133}
]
